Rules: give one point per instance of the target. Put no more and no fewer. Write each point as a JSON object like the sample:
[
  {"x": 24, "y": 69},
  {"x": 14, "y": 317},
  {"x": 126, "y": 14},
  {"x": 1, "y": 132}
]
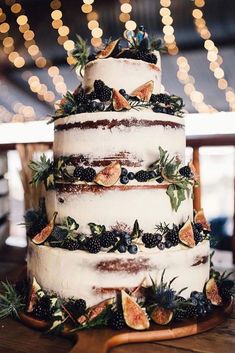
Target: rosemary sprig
[
  {"x": 10, "y": 301},
  {"x": 80, "y": 53}
]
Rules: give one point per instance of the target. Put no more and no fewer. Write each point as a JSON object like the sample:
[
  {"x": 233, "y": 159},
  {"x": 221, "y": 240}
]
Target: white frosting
[
  {"x": 149, "y": 206},
  {"x": 79, "y": 274},
  {"x": 123, "y": 73},
  {"x": 139, "y": 144}
]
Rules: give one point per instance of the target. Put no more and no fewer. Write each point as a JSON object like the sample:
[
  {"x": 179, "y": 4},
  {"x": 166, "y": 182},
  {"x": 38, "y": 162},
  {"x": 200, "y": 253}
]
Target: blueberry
[
  {"x": 94, "y": 104},
  {"x": 132, "y": 249},
  {"x": 126, "y": 238},
  {"x": 159, "y": 237},
  {"x": 195, "y": 294},
  {"x": 122, "y": 91},
  {"x": 131, "y": 176},
  {"x": 124, "y": 172},
  {"x": 91, "y": 57},
  {"x": 126, "y": 96},
  {"x": 161, "y": 246},
  {"x": 152, "y": 175},
  {"x": 124, "y": 180},
  {"x": 121, "y": 248},
  {"x": 159, "y": 179},
  {"x": 168, "y": 244},
  {"x": 101, "y": 106}
]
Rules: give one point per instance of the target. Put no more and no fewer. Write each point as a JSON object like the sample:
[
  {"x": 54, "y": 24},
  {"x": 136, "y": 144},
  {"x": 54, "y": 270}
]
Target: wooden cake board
[{"x": 102, "y": 340}]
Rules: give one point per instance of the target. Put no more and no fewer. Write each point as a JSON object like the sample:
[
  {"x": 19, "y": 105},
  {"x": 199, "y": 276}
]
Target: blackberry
[
  {"x": 170, "y": 111},
  {"x": 88, "y": 174},
  {"x": 76, "y": 307},
  {"x": 172, "y": 236},
  {"x": 154, "y": 98},
  {"x": 117, "y": 321},
  {"x": 104, "y": 94},
  {"x": 179, "y": 315},
  {"x": 151, "y": 58},
  {"x": 225, "y": 289},
  {"x": 150, "y": 240},
  {"x": 93, "y": 244},
  {"x": 198, "y": 227},
  {"x": 81, "y": 109},
  {"x": 191, "y": 311},
  {"x": 43, "y": 310},
  {"x": 81, "y": 97},
  {"x": 124, "y": 179},
  {"x": 92, "y": 96},
  {"x": 77, "y": 173},
  {"x": 185, "y": 171},
  {"x": 108, "y": 239},
  {"x": 98, "y": 85},
  {"x": 198, "y": 237},
  {"x": 163, "y": 98},
  {"x": 131, "y": 176},
  {"x": 71, "y": 244},
  {"x": 142, "y": 176}
]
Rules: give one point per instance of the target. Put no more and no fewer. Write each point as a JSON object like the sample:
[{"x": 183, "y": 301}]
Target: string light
[
  {"x": 63, "y": 32},
  {"x": 213, "y": 56},
  {"x": 186, "y": 79},
  {"x": 125, "y": 16},
  {"x": 34, "y": 51},
  {"x": 92, "y": 23}
]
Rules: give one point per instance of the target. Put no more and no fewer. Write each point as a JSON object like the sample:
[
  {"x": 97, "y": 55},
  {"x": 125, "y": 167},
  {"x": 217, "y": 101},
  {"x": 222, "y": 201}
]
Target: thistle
[
  {"x": 10, "y": 301},
  {"x": 162, "y": 295}
]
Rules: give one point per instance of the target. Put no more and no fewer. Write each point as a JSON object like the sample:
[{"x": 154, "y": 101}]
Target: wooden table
[{"x": 16, "y": 338}]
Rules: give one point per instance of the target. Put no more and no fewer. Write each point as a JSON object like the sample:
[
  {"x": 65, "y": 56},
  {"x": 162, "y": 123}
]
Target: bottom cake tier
[{"x": 95, "y": 277}]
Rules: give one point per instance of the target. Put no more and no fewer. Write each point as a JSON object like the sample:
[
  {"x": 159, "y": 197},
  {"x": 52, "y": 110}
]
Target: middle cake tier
[{"x": 133, "y": 139}]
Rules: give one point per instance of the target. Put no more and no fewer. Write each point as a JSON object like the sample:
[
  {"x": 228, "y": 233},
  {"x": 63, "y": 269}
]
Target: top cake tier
[{"x": 123, "y": 73}]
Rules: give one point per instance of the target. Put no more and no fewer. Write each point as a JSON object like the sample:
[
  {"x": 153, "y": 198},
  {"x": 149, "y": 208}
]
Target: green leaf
[
  {"x": 96, "y": 229},
  {"x": 171, "y": 192},
  {"x": 136, "y": 230},
  {"x": 71, "y": 224}
]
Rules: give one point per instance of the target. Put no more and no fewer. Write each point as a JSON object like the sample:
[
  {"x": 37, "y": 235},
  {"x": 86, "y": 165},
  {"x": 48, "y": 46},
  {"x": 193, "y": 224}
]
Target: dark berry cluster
[
  {"x": 226, "y": 287},
  {"x": 117, "y": 321},
  {"x": 172, "y": 237},
  {"x": 43, "y": 309},
  {"x": 167, "y": 104},
  {"x": 140, "y": 176},
  {"x": 186, "y": 172},
  {"x": 108, "y": 239},
  {"x": 151, "y": 240},
  {"x": 92, "y": 244},
  {"x": 197, "y": 306},
  {"x": 84, "y": 174},
  {"x": 71, "y": 244},
  {"x": 76, "y": 307},
  {"x": 102, "y": 92},
  {"x": 125, "y": 243},
  {"x": 136, "y": 54},
  {"x": 197, "y": 232},
  {"x": 86, "y": 102}
]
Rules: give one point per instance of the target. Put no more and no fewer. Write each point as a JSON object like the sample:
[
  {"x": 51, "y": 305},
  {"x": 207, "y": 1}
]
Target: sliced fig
[
  {"x": 42, "y": 236},
  {"x": 212, "y": 292},
  {"x": 134, "y": 316},
  {"x": 119, "y": 102},
  {"x": 33, "y": 296},
  {"x": 186, "y": 234},
  {"x": 109, "y": 175},
  {"x": 200, "y": 218},
  {"x": 106, "y": 52},
  {"x": 161, "y": 316},
  {"x": 144, "y": 91},
  {"x": 196, "y": 176},
  {"x": 95, "y": 311}
]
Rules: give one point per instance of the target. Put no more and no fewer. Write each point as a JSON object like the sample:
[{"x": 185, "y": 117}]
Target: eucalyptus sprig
[
  {"x": 43, "y": 172},
  {"x": 10, "y": 301},
  {"x": 179, "y": 186}
]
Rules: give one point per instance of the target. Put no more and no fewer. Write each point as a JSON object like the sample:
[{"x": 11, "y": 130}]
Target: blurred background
[{"x": 36, "y": 69}]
